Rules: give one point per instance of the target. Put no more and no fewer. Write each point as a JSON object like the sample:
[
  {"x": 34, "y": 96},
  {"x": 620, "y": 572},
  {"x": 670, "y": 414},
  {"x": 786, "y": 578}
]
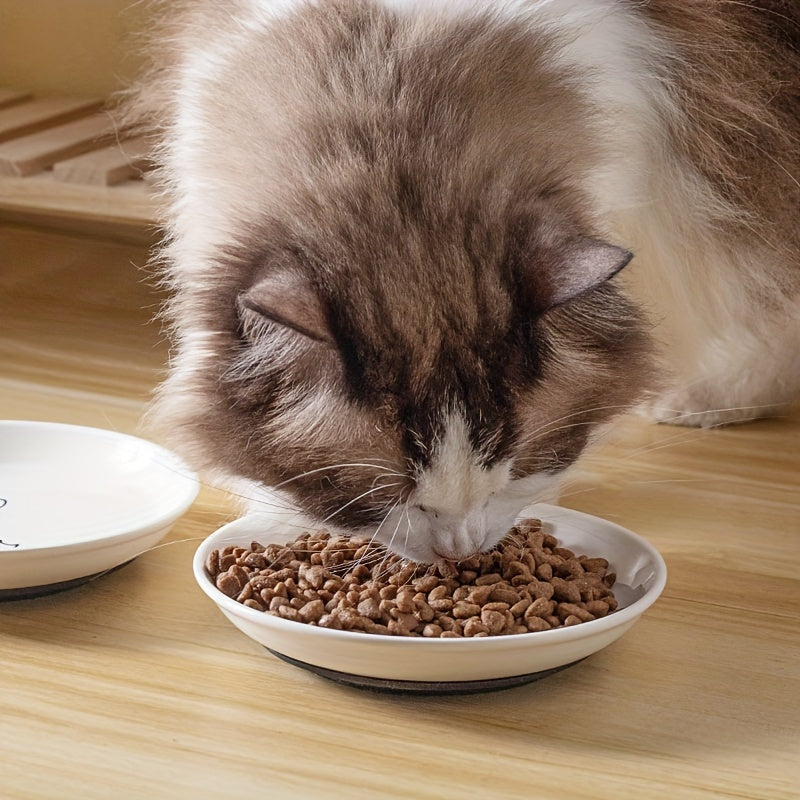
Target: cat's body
[{"x": 393, "y": 224}]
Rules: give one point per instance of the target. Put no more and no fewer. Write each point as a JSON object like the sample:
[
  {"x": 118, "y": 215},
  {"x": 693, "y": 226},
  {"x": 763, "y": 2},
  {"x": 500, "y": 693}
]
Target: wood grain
[
  {"x": 126, "y": 210},
  {"x": 10, "y": 97},
  {"x": 135, "y": 686}
]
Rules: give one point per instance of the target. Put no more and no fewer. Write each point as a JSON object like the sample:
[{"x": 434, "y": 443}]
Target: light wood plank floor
[{"x": 135, "y": 686}]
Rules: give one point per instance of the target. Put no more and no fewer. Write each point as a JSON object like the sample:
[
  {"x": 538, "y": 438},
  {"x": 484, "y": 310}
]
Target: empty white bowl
[
  {"x": 78, "y": 501},
  {"x": 416, "y": 664}
]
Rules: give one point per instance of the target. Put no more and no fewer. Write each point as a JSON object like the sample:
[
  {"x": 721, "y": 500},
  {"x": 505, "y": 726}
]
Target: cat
[{"x": 421, "y": 252}]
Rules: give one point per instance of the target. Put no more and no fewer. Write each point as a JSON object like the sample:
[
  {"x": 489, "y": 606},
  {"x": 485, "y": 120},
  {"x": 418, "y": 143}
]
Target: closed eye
[{"x": 256, "y": 321}]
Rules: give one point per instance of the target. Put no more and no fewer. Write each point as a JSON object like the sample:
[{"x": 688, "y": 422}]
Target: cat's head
[
  {"x": 394, "y": 306},
  {"x": 413, "y": 382}
]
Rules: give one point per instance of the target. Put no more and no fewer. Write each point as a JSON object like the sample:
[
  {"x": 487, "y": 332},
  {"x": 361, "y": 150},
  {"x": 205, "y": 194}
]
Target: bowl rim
[
  {"x": 626, "y": 615},
  {"x": 186, "y": 491}
]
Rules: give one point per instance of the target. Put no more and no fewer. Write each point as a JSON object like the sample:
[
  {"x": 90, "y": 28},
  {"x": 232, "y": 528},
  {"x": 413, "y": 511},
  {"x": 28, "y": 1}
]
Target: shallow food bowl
[
  {"x": 421, "y": 665},
  {"x": 76, "y": 502}
]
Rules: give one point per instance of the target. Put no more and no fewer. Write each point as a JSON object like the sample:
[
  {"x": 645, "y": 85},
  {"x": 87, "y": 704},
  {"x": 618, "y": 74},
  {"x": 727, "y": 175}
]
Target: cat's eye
[
  {"x": 257, "y": 320},
  {"x": 288, "y": 300}
]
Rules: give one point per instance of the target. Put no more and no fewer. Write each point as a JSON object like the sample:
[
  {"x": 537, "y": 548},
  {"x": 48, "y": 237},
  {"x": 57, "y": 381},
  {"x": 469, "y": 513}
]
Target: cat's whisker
[
  {"x": 351, "y": 465},
  {"x": 388, "y": 475},
  {"x": 748, "y": 411},
  {"x": 380, "y": 571},
  {"x": 654, "y": 447},
  {"x": 374, "y": 536},
  {"x": 356, "y": 499},
  {"x": 548, "y": 427},
  {"x": 409, "y": 526}
]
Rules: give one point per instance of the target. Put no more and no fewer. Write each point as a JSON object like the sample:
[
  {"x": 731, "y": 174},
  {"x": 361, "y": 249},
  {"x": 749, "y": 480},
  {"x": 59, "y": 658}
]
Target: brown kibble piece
[
  {"x": 565, "y": 610},
  {"x": 503, "y": 593},
  {"x": 597, "y": 607},
  {"x": 534, "y": 623},
  {"x": 370, "y": 609},
  {"x": 312, "y": 612},
  {"x": 480, "y": 594},
  {"x": 405, "y": 600},
  {"x": 540, "y": 607},
  {"x": 494, "y": 621},
  {"x": 426, "y": 584},
  {"x": 492, "y": 577},
  {"x": 566, "y": 591},
  {"x": 464, "y": 610},
  {"x": 473, "y": 626},
  {"x": 232, "y": 581},
  {"x": 519, "y": 608},
  {"x": 403, "y": 624}
]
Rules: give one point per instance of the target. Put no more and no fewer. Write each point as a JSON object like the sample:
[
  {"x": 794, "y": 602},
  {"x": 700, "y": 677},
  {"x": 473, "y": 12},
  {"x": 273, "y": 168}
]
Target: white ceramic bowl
[
  {"x": 417, "y": 664},
  {"x": 78, "y": 501}
]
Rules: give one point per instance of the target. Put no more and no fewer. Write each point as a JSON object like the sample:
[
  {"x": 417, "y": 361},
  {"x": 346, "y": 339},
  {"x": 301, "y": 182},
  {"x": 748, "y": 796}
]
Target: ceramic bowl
[
  {"x": 421, "y": 665},
  {"x": 76, "y": 502}
]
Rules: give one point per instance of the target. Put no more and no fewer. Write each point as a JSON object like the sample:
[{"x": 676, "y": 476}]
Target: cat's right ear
[{"x": 286, "y": 299}]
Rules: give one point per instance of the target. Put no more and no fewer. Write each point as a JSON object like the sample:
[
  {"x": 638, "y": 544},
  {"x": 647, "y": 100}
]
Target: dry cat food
[{"x": 528, "y": 583}]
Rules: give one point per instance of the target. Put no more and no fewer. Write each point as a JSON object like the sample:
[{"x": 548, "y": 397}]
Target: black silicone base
[
  {"x": 30, "y": 592},
  {"x": 421, "y": 687}
]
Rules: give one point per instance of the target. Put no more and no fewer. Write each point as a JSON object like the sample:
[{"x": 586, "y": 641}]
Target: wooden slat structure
[{"x": 64, "y": 162}]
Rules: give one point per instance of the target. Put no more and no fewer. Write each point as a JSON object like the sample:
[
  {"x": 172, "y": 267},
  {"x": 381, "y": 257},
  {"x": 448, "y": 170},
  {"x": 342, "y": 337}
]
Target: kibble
[{"x": 528, "y": 583}]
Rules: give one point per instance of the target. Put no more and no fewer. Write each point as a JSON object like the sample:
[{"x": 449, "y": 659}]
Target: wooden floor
[{"x": 135, "y": 686}]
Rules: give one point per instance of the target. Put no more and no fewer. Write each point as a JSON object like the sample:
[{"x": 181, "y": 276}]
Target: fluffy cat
[{"x": 395, "y": 227}]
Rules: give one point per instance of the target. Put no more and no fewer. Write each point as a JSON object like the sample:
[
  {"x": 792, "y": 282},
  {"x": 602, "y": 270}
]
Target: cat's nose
[{"x": 457, "y": 539}]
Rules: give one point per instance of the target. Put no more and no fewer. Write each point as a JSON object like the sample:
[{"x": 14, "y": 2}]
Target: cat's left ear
[{"x": 576, "y": 267}]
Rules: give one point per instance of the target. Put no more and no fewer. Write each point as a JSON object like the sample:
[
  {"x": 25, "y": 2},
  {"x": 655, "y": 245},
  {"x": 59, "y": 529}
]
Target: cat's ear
[
  {"x": 287, "y": 299},
  {"x": 577, "y": 266}
]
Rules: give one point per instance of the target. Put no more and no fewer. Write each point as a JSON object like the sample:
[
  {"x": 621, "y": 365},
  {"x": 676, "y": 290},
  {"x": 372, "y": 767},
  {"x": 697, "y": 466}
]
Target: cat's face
[{"x": 417, "y": 387}]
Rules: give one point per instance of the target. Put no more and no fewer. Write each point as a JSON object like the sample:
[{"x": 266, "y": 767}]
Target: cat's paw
[{"x": 696, "y": 408}]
